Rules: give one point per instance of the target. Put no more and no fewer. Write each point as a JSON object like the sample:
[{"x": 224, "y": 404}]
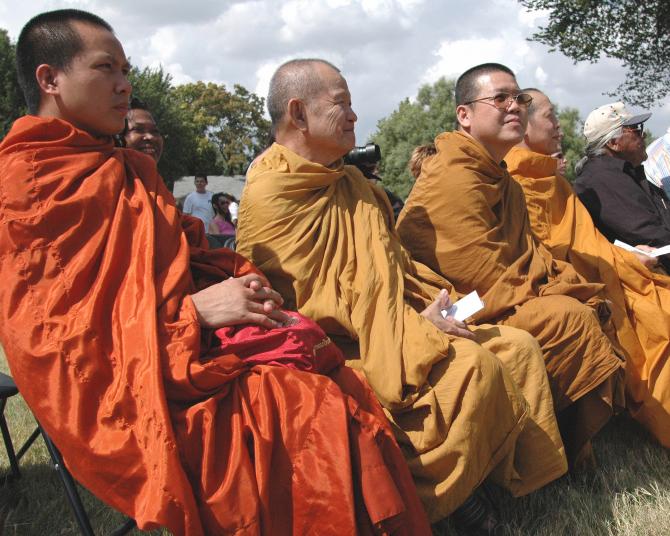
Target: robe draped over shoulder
[
  {"x": 466, "y": 219},
  {"x": 640, "y": 298},
  {"x": 325, "y": 239},
  {"x": 103, "y": 341}
]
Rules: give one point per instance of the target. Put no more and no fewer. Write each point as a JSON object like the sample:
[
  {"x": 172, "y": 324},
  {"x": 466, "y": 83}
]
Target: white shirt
[
  {"x": 200, "y": 206},
  {"x": 233, "y": 209},
  {"x": 657, "y": 164}
]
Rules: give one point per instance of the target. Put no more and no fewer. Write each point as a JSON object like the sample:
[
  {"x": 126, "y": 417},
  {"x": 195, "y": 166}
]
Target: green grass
[{"x": 628, "y": 495}]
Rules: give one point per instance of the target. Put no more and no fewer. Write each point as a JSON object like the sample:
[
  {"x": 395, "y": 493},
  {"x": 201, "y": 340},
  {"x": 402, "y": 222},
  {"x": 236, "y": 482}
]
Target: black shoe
[{"x": 476, "y": 517}]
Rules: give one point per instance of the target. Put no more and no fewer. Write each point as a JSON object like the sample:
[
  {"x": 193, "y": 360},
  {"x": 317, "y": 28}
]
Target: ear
[
  {"x": 464, "y": 116},
  {"x": 297, "y": 114},
  {"x": 613, "y": 145},
  {"x": 47, "y": 79}
]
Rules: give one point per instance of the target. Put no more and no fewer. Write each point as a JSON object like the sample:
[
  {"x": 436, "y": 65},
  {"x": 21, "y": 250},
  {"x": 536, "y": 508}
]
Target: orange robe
[
  {"x": 640, "y": 298},
  {"x": 466, "y": 219},
  {"x": 462, "y": 411},
  {"x": 103, "y": 341}
]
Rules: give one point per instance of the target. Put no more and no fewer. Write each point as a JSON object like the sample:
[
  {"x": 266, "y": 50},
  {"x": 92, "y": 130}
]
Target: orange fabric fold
[
  {"x": 466, "y": 219},
  {"x": 640, "y": 298},
  {"x": 103, "y": 341},
  {"x": 462, "y": 410}
]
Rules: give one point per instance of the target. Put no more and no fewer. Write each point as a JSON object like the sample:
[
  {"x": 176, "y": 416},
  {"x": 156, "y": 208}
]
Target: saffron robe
[
  {"x": 325, "y": 239},
  {"x": 640, "y": 298},
  {"x": 466, "y": 219},
  {"x": 103, "y": 341}
]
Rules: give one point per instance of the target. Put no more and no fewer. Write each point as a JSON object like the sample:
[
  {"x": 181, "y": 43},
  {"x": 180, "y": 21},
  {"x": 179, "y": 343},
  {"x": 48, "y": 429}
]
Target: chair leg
[
  {"x": 127, "y": 526},
  {"x": 13, "y": 460},
  {"x": 28, "y": 443},
  {"x": 70, "y": 487}
]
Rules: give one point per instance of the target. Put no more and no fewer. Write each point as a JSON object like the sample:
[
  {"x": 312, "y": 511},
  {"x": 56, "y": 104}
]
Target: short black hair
[
  {"x": 466, "y": 85},
  {"x": 200, "y": 176},
  {"x": 135, "y": 104},
  {"x": 49, "y": 38}
]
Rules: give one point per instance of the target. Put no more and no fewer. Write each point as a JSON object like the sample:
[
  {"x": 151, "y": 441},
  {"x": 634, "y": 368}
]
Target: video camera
[{"x": 368, "y": 155}]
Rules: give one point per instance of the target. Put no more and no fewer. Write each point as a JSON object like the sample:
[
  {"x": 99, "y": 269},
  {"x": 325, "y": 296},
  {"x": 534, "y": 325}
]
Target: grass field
[{"x": 629, "y": 493}]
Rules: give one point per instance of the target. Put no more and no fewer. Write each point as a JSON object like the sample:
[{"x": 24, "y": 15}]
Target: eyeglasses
[
  {"x": 638, "y": 129},
  {"x": 503, "y": 101}
]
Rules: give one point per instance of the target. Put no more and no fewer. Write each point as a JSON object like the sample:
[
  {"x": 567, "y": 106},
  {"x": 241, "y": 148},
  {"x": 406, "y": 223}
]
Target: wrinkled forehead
[{"x": 332, "y": 82}]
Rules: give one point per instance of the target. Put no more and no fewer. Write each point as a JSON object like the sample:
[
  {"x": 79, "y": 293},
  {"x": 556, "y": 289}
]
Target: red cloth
[
  {"x": 104, "y": 344},
  {"x": 302, "y": 345}
]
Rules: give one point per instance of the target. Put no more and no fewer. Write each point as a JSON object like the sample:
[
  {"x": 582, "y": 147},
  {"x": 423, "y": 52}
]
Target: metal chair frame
[{"x": 66, "y": 479}]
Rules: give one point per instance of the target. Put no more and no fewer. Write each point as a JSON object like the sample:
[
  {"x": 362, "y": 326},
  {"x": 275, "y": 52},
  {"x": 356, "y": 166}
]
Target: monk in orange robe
[
  {"x": 639, "y": 296},
  {"x": 466, "y": 219},
  {"x": 465, "y": 405},
  {"x": 108, "y": 302}
]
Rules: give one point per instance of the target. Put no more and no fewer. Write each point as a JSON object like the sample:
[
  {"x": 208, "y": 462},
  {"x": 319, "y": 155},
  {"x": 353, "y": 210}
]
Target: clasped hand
[{"x": 240, "y": 300}]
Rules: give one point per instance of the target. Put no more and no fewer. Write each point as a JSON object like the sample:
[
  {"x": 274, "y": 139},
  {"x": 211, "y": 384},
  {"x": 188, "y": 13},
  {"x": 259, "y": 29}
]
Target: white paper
[
  {"x": 465, "y": 307},
  {"x": 656, "y": 253}
]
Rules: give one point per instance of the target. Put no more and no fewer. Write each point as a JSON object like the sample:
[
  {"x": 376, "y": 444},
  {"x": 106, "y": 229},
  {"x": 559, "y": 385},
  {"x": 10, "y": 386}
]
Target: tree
[
  {"x": 574, "y": 142},
  {"x": 636, "y": 32},
  {"x": 412, "y": 124},
  {"x": 232, "y": 122},
  {"x": 180, "y": 154},
  {"x": 433, "y": 112},
  {"x": 12, "y": 105}
]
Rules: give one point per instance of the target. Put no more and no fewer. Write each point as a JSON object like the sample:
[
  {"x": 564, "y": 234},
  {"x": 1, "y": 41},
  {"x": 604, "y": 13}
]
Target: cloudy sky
[{"x": 386, "y": 48}]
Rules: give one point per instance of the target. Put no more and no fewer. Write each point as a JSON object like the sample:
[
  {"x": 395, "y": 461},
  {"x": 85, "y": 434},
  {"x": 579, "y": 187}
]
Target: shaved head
[
  {"x": 543, "y": 134},
  {"x": 467, "y": 85},
  {"x": 537, "y": 96},
  {"x": 295, "y": 79}
]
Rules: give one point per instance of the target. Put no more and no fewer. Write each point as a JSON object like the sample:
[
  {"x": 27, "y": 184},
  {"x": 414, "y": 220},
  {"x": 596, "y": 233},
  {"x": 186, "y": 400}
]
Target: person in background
[
  {"x": 611, "y": 181},
  {"x": 233, "y": 207},
  {"x": 199, "y": 203},
  {"x": 221, "y": 230},
  {"x": 141, "y": 132},
  {"x": 419, "y": 156},
  {"x": 639, "y": 297},
  {"x": 657, "y": 164}
]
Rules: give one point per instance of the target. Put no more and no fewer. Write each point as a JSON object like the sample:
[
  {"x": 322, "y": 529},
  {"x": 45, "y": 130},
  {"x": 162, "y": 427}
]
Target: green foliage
[
  {"x": 12, "y": 105},
  {"x": 412, "y": 124},
  {"x": 232, "y": 123},
  {"x": 634, "y": 31},
  {"x": 574, "y": 142},
  {"x": 154, "y": 88}
]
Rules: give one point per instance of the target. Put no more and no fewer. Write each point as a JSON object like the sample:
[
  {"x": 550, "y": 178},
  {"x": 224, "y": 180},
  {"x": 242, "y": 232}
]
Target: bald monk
[
  {"x": 640, "y": 297},
  {"x": 466, "y": 219},
  {"x": 107, "y": 315},
  {"x": 465, "y": 404}
]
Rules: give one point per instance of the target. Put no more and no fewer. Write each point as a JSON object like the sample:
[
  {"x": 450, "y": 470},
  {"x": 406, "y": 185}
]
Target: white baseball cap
[{"x": 609, "y": 117}]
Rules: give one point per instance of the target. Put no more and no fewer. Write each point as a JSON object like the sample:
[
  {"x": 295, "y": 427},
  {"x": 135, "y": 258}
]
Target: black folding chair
[{"x": 7, "y": 389}]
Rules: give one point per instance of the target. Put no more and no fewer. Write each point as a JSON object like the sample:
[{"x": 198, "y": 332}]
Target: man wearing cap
[
  {"x": 638, "y": 296},
  {"x": 612, "y": 184}
]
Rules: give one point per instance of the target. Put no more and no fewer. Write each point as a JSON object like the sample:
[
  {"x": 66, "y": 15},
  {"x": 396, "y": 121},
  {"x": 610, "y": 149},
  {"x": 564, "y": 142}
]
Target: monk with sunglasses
[{"x": 467, "y": 220}]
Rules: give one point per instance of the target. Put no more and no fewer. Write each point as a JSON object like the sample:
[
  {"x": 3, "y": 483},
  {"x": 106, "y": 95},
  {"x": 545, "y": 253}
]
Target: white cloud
[{"x": 386, "y": 48}]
